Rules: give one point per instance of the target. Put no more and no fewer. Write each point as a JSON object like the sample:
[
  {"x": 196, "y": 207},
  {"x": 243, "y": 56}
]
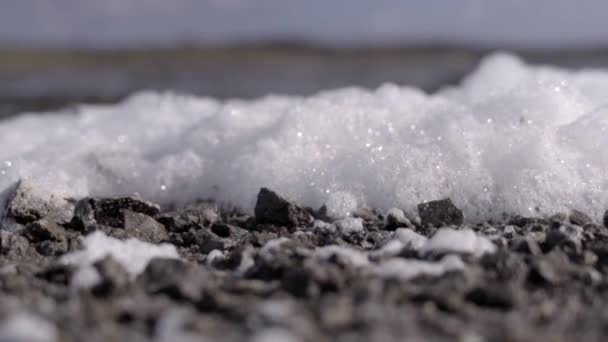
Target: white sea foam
[
  {"x": 132, "y": 254},
  {"x": 512, "y": 138}
]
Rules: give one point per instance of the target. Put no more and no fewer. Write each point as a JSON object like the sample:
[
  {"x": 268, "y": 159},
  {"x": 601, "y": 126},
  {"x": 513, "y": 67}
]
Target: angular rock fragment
[
  {"x": 440, "y": 213},
  {"x": 274, "y": 209},
  {"x": 84, "y": 215},
  {"x": 109, "y": 211},
  {"x": 31, "y": 202},
  {"x": 199, "y": 214},
  {"x": 579, "y": 218},
  {"x": 143, "y": 227},
  {"x": 43, "y": 230}
]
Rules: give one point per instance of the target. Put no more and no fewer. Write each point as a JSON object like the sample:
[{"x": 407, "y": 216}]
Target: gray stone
[
  {"x": 31, "y": 202},
  {"x": 606, "y": 218},
  {"x": 199, "y": 214},
  {"x": 271, "y": 208},
  {"x": 144, "y": 227},
  {"x": 579, "y": 218},
  {"x": 440, "y": 213}
]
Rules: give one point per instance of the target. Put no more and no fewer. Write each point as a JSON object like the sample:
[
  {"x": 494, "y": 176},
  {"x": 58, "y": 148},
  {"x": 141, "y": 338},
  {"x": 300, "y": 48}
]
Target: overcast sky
[{"x": 160, "y": 22}]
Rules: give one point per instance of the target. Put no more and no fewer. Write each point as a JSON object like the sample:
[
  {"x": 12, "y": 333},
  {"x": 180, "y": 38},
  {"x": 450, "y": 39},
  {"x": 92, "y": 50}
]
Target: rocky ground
[{"x": 294, "y": 274}]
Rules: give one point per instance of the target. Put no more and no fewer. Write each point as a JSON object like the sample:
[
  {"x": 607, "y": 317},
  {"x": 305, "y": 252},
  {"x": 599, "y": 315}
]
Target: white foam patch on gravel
[
  {"x": 132, "y": 254},
  {"x": 512, "y": 138},
  {"x": 406, "y": 269},
  {"x": 459, "y": 241},
  {"x": 27, "y": 327}
]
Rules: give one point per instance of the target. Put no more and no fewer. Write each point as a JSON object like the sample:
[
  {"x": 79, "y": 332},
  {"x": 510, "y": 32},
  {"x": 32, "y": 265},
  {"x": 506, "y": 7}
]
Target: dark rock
[
  {"x": 274, "y": 209},
  {"x": 396, "y": 219},
  {"x": 579, "y": 218},
  {"x": 114, "y": 278},
  {"x": 43, "y": 230},
  {"x": 199, "y": 214},
  {"x": 144, "y": 227},
  {"x": 221, "y": 229},
  {"x": 173, "y": 277},
  {"x": 31, "y": 202},
  {"x": 109, "y": 211},
  {"x": 565, "y": 236},
  {"x": 84, "y": 215},
  {"x": 606, "y": 218},
  {"x": 440, "y": 213},
  {"x": 494, "y": 296}
]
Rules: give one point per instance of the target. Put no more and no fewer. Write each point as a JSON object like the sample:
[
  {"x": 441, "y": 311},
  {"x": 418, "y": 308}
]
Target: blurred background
[{"x": 54, "y": 53}]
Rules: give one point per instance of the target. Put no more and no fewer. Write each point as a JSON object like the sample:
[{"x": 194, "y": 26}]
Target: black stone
[
  {"x": 221, "y": 230},
  {"x": 29, "y": 203},
  {"x": 440, "y": 213},
  {"x": 274, "y": 209}
]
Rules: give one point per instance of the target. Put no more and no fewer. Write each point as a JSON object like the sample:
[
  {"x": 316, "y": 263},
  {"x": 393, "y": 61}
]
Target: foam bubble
[{"x": 511, "y": 139}]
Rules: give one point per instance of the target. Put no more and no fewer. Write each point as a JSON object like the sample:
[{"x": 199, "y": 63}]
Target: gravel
[{"x": 283, "y": 275}]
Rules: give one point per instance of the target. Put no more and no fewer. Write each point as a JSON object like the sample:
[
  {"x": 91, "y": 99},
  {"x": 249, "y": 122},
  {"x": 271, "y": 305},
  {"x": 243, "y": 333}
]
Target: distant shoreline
[{"x": 50, "y": 79}]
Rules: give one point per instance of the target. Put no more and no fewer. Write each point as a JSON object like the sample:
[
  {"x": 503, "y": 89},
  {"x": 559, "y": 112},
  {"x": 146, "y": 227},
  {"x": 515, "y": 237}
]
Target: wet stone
[
  {"x": 440, "y": 213},
  {"x": 273, "y": 209},
  {"x": 199, "y": 214}
]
